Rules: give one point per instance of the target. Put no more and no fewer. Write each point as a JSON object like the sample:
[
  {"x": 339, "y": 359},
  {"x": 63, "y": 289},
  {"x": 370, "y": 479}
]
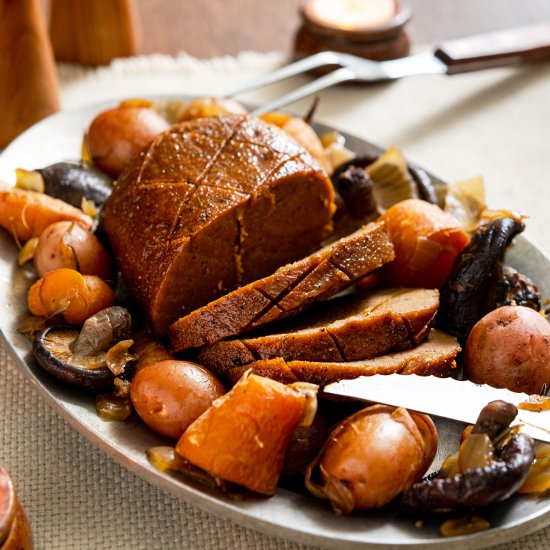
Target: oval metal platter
[{"x": 287, "y": 514}]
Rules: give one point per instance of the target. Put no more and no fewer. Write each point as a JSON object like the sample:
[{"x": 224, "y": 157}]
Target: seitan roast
[
  {"x": 212, "y": 204},
  {"x": 435, "y": 356},
  {"x": 287, "y": 291},
  {"x": 350, "y": 328}
]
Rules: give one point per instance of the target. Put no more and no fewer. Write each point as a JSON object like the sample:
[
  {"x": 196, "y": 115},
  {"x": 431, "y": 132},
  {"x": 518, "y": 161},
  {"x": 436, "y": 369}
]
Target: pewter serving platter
[{"x": 287, "y": 514}]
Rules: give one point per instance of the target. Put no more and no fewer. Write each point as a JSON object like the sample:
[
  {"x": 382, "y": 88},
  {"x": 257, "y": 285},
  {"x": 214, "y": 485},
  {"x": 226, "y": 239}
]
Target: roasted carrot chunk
[
  {"x": 427, "y": 242},
  {"x": 25, "y": 214},
  {"x": 243, "y": 436},
  {"x": 68, "y": 292}
]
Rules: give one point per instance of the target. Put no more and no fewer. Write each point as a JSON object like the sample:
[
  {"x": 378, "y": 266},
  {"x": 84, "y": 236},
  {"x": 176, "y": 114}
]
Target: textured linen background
[{"x": 495, "y": 123}]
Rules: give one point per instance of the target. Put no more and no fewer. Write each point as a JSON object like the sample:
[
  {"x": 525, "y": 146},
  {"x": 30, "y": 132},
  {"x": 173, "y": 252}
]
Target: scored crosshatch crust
[
  {"x": 284, "y": 293},
  {"x": 216, "y": 203}
]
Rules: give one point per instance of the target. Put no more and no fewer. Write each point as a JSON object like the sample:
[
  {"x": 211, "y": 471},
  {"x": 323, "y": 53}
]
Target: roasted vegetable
[
  {"x": 81, "y": 358},
  {"x": 52, "y": 349},
  {"x": 68, "y": 244},
  {"x": 371, "y": 457},
  {"x": 510, "y": 288},
  {"x": 510, "y": 348},
  {"x": 463, "y": 297},
  {"x": 427, "y": 242},
  {"x": 243, "y": 436},
  {"x": 425, "y": 188},
  {"x": 69, "y": 293},
  {"x": 171, "y": 394},
  {"x": 355, "y": 187},
  {"x": 70, "y": 182},
  {"x": 116, "y": 135},
  {"x": 25, "y": 214},
  {"x": 475, "y": 487}
]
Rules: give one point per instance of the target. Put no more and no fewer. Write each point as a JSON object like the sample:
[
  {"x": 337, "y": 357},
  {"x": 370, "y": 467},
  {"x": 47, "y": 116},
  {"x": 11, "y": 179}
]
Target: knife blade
[{"x": 444, "y": 397}]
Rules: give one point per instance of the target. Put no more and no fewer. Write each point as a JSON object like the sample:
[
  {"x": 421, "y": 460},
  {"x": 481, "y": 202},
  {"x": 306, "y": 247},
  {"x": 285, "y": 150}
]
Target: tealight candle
[
  {"x": 368, "y": 28},
  {"x": 351, "y": 15}
]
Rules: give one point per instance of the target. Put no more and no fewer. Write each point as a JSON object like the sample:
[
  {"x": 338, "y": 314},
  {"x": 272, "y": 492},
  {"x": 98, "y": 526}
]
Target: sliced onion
[
  {"x": 464, "y": 526},
  {"x": 392, "y": 182},
  {"x": 162, "y": 457},
  {"x": 27, "y": 251},
  {"x": 465, "y": 200},
  {"x": 118, "y": 356},
  {"x": 310, "y": 393},
  {"x": 449, "y": 467},
  {"x": 538, "y": 479},
  {"x": 113, "y": 407},
  {"x": 29, "y": 180},
  {"x": 475, "y": 452}
]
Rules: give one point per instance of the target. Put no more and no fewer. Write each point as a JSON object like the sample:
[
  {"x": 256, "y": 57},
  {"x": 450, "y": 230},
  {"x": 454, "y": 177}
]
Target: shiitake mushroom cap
[
  {"x": 52, "y": 352},
  {"x": 73, "y": 181}
]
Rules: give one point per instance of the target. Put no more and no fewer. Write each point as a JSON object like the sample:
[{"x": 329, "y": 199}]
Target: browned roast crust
[
  {"x": 209, "y": 205},
  {"x": 351, "y": 328},
  {"x": 287, "y": 291},
  {"x": 435, "y": 356}
]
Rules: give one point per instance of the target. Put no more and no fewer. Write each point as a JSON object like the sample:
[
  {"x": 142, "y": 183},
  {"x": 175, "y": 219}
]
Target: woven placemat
[{"x": 492, "y": 123}]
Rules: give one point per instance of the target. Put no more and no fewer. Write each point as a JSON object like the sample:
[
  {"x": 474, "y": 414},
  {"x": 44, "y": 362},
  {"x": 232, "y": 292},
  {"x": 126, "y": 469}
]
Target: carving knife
[{"x": 444, "y": 397}]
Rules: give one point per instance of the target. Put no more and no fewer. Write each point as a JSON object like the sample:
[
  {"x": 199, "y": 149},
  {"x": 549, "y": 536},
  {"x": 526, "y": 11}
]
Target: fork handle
[{"x": 515, "y": 46}]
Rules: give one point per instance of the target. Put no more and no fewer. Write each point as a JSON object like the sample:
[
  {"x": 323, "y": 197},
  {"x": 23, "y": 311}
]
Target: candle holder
[{"x": 373, "y": 29}]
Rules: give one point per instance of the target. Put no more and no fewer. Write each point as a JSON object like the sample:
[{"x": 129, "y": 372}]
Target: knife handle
[{"x": 515, "y": 46}]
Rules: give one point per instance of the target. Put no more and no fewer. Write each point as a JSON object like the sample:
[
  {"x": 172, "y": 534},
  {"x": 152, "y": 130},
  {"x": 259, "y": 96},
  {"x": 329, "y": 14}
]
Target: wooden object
[
  {"x": 15, "y": 531},
  {"x": 94, "y": 32},
  {"x": 29, "y": 88}
]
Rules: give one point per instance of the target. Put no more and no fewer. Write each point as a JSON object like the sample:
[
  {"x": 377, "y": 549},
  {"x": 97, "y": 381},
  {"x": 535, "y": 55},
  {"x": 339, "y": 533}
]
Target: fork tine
[
  {"x": 306, "y": 64},
  {"x": 335, "y": 77}
]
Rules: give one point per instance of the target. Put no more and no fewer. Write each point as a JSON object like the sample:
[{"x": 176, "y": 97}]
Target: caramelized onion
[
  {"x": 113, "y": 407},
  {"x": 475, "y": 452},
  {"x": 465, "y": 525}
]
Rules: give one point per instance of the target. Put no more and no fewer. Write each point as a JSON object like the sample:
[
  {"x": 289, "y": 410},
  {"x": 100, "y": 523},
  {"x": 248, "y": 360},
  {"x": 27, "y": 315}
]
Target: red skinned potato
[
  {"x": 171, "y": 394},
  {"x": 510, "y": 348},
  {"x": 371, "y": 457},
  {"x": 68, "y": 244},
  {"x": 117, "y": 135}
]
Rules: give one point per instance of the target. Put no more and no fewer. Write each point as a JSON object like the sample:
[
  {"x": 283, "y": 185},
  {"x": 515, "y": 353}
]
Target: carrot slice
[
  {"x": 243, "y": 436},
  {"x": 66, "y": 291}
]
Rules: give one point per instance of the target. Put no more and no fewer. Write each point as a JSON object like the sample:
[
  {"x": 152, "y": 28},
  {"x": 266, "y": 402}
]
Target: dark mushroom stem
[
  {"x": 494, "y": 418},
  {"x": 477, "y": 487}
]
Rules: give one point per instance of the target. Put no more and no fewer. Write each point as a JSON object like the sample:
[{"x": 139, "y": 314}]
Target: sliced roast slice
[
  {"x": 354, "y": 327},
  {"x": 435, "y": 356},
  {"x": 287, "y": 291},
  {"x": 210, "y": 205}
]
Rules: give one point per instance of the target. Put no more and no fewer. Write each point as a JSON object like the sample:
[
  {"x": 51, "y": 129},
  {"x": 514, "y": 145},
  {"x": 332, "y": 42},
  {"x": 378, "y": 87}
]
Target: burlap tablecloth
[{"x": 495, "y": 123}]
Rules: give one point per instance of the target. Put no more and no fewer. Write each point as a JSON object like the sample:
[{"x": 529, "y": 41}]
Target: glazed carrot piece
[
  {"x": 25, "y": 214},
  {"x": 243, "y": 436},
  {"x": 427, "y": 242},
  {"x": 66, "y": 291}
]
